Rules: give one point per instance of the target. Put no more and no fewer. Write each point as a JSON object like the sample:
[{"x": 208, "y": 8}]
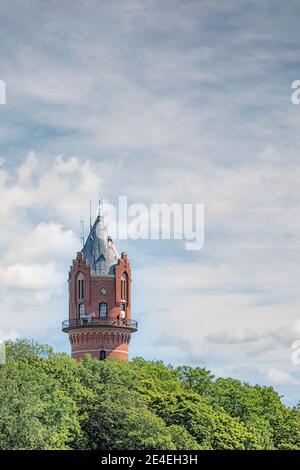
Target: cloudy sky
[{"x": 162, "y": 101}]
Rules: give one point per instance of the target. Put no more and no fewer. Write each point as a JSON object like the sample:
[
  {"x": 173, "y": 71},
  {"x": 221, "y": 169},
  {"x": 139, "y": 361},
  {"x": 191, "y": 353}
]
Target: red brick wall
[
  {"x": 123, "y": 266},
  {"x": 109, "y": 339},
  {"x": 91, "y": 340}
]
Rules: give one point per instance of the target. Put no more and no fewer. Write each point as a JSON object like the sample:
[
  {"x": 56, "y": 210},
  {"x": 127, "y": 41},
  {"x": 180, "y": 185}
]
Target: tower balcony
[{"x": 95, "y": 322}]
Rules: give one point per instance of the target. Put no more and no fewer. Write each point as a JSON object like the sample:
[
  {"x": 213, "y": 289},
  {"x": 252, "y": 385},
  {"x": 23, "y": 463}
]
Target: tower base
[{"x": 101, "y": 344}]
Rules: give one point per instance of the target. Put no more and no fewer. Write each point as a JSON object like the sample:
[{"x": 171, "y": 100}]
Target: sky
[{"x": 164, "y": 102}]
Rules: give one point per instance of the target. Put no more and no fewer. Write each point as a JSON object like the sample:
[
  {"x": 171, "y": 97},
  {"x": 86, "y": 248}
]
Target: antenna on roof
[
  {"x": 90, "y": 214},
  {"x": 82, "y": 231},
  {"x": 100, "y": 208}
]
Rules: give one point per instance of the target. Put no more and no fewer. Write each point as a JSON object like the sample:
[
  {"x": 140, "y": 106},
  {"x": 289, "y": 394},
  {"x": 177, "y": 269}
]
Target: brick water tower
[{"x": 100, "y": 321}]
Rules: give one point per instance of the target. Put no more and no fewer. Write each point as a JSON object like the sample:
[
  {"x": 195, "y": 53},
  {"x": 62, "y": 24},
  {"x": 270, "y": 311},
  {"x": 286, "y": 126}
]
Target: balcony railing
[{"x": 85, "y": 322}]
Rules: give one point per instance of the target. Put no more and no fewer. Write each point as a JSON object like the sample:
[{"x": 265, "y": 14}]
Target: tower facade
[{"x": 100, "y": 321}]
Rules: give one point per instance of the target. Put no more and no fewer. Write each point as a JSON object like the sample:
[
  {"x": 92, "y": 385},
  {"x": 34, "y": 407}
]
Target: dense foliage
[{"x": 50, "y": 401}]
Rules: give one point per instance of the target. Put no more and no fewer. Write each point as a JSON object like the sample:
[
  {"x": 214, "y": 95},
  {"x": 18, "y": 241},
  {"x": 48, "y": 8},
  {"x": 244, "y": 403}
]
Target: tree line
[{"x": 50, "y": 401}]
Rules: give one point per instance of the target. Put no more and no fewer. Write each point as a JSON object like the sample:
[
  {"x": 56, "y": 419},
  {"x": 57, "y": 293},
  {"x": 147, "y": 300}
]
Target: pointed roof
[{"x": 100, "y": 251}]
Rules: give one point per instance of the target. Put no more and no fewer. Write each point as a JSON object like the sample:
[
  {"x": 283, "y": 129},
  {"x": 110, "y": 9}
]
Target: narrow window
[
  {"x": 103, "y": 310},
  {"x": 80, "y": 310},
  {"x": 80, "y": 287},
  {"x": 124, "y": 287},
  {"x": 102, "y": 355},
  {"x": 122, "y": 311}
]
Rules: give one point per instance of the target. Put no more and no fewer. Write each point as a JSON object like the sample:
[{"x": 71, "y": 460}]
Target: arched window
[
  {"x": 102, "y": 355},
  {"x": 80, "y": 287},
  {"x": 80, "y": 310},
  {"x": 103, "y": 310},
  {"x": 124, "y": 287}
]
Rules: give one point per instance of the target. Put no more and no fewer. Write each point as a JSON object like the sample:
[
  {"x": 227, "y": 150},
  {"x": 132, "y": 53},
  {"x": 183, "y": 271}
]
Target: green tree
[
  {"x": 21, "y": 348},
  {"x": 34, "y": 412},
  {"x": 119, "y": 419},
  {"x": 199, "y": 380},
  {"x": 50, "y": 401}
]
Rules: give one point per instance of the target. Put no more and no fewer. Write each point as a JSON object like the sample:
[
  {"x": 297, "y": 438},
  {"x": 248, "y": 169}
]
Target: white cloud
[
  {"x": 234, "y": 335},
  {"x": 27, "y": 168},
  {"x": 63, "y": 186},
  {"x": 9, "y": 335},
  {"x": 278, "y": 339},
  {"x": 280, "y": 377},
  {"x": 286, "y": 335},
  {"x": 32, "y": 276},
  {"x": 194, "y": 352},
  {"x": 47, "y": 242}
]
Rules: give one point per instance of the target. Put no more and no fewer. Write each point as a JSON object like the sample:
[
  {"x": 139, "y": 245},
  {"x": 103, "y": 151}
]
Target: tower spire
[{"x": 99, "y": 249}]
